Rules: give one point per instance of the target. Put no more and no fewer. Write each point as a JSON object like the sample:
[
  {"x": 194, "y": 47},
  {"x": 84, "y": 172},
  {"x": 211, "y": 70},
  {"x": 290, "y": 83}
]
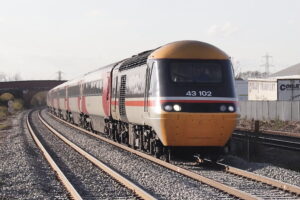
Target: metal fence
[{"x": 270, "y": 110}]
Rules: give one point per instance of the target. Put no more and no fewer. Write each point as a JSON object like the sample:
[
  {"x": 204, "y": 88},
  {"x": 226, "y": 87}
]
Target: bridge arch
[
  {"x": 26, "y": 90},
  {"x": 39, "y": 99}
]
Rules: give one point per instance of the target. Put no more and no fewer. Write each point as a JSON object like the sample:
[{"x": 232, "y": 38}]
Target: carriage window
[
  {"x": 62, "y": 93},
  {"x": 93, "y": 88},
  {"x": 196, "y": 72},
  {"x": 74, "y": 91}
]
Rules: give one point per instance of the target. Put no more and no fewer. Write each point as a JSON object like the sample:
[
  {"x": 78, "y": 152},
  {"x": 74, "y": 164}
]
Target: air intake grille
[
  {"x": 135, "y": 61},
  {"x": 122, "y": 96}
]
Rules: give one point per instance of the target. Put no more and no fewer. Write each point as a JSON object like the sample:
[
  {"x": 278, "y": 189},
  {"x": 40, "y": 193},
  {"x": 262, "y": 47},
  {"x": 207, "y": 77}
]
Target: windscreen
[{"x": 196, "y": 72}]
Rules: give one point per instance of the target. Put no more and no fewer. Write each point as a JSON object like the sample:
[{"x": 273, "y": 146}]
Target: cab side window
[{"x": 153, "y": 90}]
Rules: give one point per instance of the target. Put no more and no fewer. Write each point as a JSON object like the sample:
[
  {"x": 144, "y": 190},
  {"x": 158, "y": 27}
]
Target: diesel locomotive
[{"x": 177, "y": 96}]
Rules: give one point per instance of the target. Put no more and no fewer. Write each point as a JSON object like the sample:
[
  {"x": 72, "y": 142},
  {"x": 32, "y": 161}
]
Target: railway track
[
  {"x": 74, "y": 192},
  {"x": 266, "y": 147},
  {"x": 242, "y": 184},
  {"x": 269, "y": 132},
  {"x": 272, "y": 140},
  {"x": 61, "y": 176},
  {"x": 223, "y": 173},
  {"x": 164, "y": 183}
]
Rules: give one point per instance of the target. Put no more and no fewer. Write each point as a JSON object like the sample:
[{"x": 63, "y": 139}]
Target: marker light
[
  {"x": 168, "y": 108},
  {"x": 177, "y": 107},
  {"x": 231, "y": 108},
  {"x": 223, "y": 108}
]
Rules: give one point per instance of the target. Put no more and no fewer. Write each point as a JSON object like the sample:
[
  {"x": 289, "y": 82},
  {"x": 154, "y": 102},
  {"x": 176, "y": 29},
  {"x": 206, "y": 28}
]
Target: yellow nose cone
[{"x": 204, "y": 129}]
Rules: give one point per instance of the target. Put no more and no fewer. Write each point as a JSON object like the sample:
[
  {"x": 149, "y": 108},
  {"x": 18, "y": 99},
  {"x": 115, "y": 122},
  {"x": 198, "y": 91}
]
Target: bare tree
[
  {"x": 15, "y": 77},
  {"x": 252, "y": 74},
  {"x": 3, "y": 77}
]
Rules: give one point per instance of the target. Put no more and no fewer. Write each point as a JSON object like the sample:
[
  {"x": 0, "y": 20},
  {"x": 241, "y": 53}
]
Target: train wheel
[
  {"x": 115, "y": 135},
  {"x": 157, "y": 152},
  {"x": 158, "y": 149},
  {"x": 168, "y": 154},
  {"x": 214, "y": 158},
  {"x": 135, "y": 140},
  {"x": 215, "y": 154},
  {"x": 124, "y": 138},
  {"x": 141, "y": 141},
  {"x": 90, "y": 127},
  {"x": 152, "y": 147}
]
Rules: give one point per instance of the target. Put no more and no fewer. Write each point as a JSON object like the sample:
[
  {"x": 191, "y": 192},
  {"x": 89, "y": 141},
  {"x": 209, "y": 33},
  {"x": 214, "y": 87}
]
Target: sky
[{"x": 38, "y": 38}]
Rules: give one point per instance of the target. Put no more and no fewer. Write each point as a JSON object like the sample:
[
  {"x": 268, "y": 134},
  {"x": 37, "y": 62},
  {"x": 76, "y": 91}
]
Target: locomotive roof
[{"x": 189, "y": 49}]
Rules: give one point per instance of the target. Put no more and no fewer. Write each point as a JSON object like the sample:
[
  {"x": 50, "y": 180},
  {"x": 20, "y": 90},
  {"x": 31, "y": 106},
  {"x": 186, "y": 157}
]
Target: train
[{"x": 175, "y": 97}]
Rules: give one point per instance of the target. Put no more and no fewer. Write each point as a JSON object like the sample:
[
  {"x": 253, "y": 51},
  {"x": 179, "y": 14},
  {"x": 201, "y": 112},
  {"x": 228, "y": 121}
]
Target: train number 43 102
[{"x": 193, "y": 93}]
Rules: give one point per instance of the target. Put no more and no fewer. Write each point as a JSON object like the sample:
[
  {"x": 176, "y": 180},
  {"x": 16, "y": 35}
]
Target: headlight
[
  {"x": 231, "y": 108},
  {"x": 223, "y": 108},
  {"x": 168, "y": 108},
  {"x": 177, "y": 107}
]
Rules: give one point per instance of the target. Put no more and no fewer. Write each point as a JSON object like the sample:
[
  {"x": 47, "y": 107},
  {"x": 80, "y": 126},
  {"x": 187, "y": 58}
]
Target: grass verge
[{"x": 4, "y": 125}]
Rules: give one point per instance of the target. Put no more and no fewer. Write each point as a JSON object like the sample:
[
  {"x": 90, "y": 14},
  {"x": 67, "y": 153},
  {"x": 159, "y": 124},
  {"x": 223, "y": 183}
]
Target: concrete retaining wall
[{"x": 270, "y": 110}]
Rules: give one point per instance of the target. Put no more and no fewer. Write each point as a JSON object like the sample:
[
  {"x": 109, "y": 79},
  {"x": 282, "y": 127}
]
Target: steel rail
[
  {"x": 256, "y": 177},
  {"x": 266, "y": 139},
  {"x": 281, "y": 133},
  {"x": 127, "y": 183},
  {"x": 271, "y": 132},
  {"x": 195, "y": 176},
  {"x": 63, "y": 179},
  {"x": 275, "y": 183}
]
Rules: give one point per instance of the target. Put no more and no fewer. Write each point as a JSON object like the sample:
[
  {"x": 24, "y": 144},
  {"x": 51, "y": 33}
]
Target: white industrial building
[
  {"x": 241, "y": 88},
  {"x": 274, "y": 98},
  {"x": 290, "y": 71},
  {"x": 262, "y": 89},
  {"x": 283, "y": 88},
  {"x": 280, "y": 86}
]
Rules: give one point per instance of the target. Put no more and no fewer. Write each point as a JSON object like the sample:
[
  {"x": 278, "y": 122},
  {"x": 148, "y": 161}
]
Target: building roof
[{"x": 290, "y": 71}]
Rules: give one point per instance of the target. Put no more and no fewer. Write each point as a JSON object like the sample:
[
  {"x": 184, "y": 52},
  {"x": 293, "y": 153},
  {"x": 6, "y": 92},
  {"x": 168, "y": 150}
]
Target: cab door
[
  {"x": 106, "y": 95},
  {"x": 114, "y": 96},
  {"x": 147, "y": 87},
  {"x": 151, "y": 87}
]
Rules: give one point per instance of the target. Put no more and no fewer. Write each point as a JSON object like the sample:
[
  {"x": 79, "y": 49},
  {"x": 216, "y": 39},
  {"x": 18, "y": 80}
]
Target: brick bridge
[{"x": 27, "y": 89}]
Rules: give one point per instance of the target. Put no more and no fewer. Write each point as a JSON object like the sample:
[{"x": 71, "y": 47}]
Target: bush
[
  {"x": 4, "y": 126},
  {"x": 18, "y": 104},
  {"x": 3, "y": 109},
  {"x": 6, "y": 97},
  {"x": 3, "y": 112}
]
